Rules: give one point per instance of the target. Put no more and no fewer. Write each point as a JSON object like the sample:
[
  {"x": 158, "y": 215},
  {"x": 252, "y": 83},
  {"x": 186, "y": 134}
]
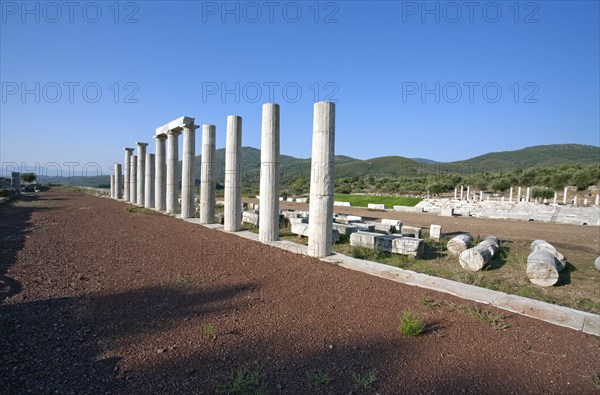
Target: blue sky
[{"x": 437, "y": 80}]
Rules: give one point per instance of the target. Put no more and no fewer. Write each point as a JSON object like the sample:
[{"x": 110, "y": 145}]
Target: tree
[
  {"x": 542, "y": 193},
  {"x": 28, "y": 177},
  {"x": 500, "y": 185}
]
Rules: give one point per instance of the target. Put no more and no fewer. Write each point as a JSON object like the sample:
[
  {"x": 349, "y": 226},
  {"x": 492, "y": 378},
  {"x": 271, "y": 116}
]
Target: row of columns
[
  {"x": 526, "y": 198},
  {"x": 150, "y": 180}
]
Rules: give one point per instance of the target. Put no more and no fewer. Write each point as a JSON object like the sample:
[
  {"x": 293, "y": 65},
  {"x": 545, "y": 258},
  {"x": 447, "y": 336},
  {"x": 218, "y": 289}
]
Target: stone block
[
  {"x": 435, "y": 232},
  {"x": 345, "y": 229},
  {"x": 374, "y": 241},
  {"x": 408, "y": 209},
  {"x": 290, "y": 214},
  {"x": 376, "y": 206},
  {"x": 381, "y": 227},
  {"x": 408, "y": 246},
  {"x": 249, "y": 217},
  {"x": 301, "y": 229},
  {"x": 412, "y": 231},
  {"x": 343, "y": 204},
  {"x": 298, "y": 220}
]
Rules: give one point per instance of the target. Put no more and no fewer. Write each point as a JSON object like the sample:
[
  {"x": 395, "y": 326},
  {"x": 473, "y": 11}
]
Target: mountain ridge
[{"x": 398, "y": 166}]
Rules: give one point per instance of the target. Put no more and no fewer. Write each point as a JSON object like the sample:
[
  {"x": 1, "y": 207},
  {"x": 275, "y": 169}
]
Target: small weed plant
[
  {"x": 208, "y": 330},
  {"x": 411, "y": 324},
  {"x": 364, "y": 382},
  {"x": 243, "y": 382},
  {"x": 316, "y": 379}
]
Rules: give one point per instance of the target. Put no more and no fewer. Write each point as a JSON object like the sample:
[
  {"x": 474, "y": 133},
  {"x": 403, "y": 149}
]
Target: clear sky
[{"x": 438, "y": 80}]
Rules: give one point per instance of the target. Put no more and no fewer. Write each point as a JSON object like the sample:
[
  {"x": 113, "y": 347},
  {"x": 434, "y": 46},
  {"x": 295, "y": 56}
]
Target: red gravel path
[{"x": 98, "y": 299}]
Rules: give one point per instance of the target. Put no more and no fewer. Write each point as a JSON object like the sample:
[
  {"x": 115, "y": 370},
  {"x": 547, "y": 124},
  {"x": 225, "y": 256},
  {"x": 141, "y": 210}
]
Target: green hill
[
  {"x": 391, "y": 166},
  {"x": 540, "y": 155},
  {"x": 386, "y": 166}
]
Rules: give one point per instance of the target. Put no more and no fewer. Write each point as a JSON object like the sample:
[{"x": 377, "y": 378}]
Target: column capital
[
  {"x": 129, "y": 149},
  {"x": 174, "y": 132},
  {"x": 190, "y": 127},
  {"x": 161, "y": 137},
  {"x": 141, "y": 144}
]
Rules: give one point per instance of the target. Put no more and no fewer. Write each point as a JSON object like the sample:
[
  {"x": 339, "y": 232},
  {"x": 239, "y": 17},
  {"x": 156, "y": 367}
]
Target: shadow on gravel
[
  {"x": 61, "y": 345},
  {"x": 13, "y": 232}
]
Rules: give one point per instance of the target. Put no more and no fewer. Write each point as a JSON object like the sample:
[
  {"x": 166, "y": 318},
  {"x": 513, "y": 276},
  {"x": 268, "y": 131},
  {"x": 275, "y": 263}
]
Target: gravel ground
[{"x": 100, "y": 300}]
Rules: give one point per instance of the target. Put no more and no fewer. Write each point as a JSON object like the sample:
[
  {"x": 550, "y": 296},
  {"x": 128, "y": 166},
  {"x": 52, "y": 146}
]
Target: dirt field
[{"x": 97, "y": 299}]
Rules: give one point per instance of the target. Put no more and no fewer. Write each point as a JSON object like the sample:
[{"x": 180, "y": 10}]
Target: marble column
[
  {"x": 461, "y": 193},
  {"x": 127, "y": 174},
  {"x": 455, "y": 193},
  {"x": 519, "y": 194},
  {"x": 141, "y": 173},
  {"x": 268, "y": 229},
  {"x": 527, "y": 195},
  {"x": 149, "y": 184},
  {"x": 112, "y": 186},
  {"x": 510, "y": 196},
  {"x": 233, "y": 174},
  {"x": 597, "y": 202},
  {"x": 133, "y": 180},
  {"x": 207, "y": 176},
  {"x": 172, "y": 171},
  {"x": 468, "y": 192},
  {"x": 160, "y": 174},
  {"x": 575, "y": 200},
  {"x": 118, "y": 181},
  {"x": 555, "y": 198},
  {"x": 565, "y": 194},
  {"x": 320, "y": 225},
  {"x": 188, "y": 196}
]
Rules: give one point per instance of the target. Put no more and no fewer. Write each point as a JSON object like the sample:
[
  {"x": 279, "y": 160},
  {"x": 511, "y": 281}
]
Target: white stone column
[
  {"x": 127, "y": 173},
  {"x": 233, "y": 174},
  {"x": 188, "y": 187},
  {"x": 160, "y": 174},
  {"x": 172, "y": 170},
  {"x": 555, "y": 198},
  {"x": 527, "y": 194},
  {"x": 481, "y": 196},
  {"x": 141, "y": 173},
  {"x": 112, "y": 186},
  {"x": 149, "y": 185},
  {"x": 320, "y": 225},
  {"x": 597, "y": 203},
  {"x": 510, "y": 196},
  {"x": 461, "y": 193},
  {"x": 565, "y": 194},
  {"x": 468, "y": 192},
  {"x": 207, "y": 176},
  {"x": 268, "y": 228},
  {"x": 575, "y": 200},
  {"x": 118, "y": 181},
  {"x": 455, "y": 193},
  {"x": 133, "y": 180},
  {"x": 519, "y": 194}
]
